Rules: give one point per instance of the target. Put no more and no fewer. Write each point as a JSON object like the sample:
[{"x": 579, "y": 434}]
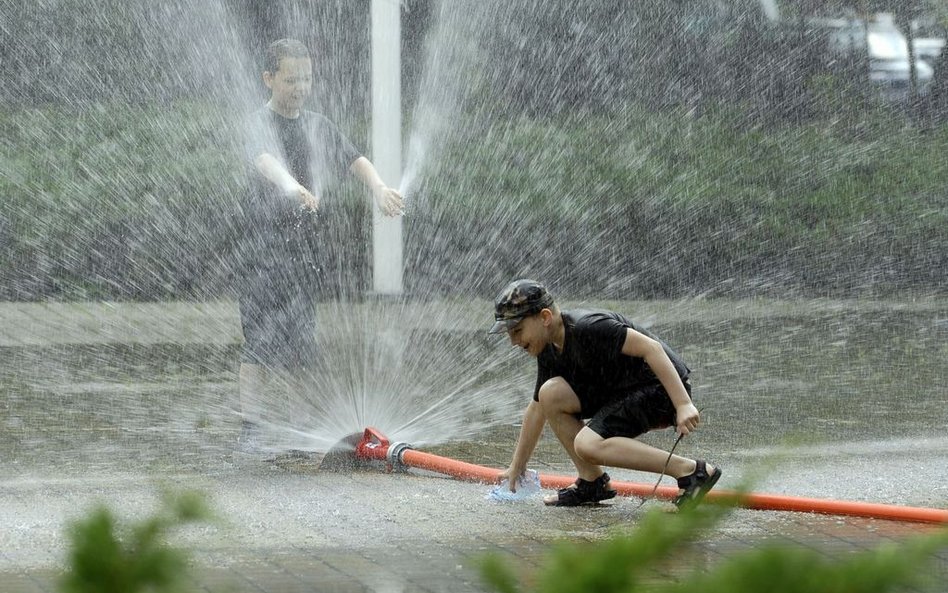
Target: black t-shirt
[
  {"x": 311, "y": 148},
  {"x": 297, "y": 151},
  {"x": 592, "y": 361},
  {"x": 276, "y": 229}
]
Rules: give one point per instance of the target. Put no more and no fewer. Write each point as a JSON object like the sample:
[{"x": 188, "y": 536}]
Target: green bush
[
  {"x": 106, "y": 557},
  {"x": 141, "y": 203},
  {"x": 662, "y": 544},
  {"x": 837, "y": 207}
]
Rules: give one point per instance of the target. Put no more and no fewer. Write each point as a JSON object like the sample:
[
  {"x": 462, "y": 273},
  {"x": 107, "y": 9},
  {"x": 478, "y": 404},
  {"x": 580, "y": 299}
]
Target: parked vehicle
[
  {"x": 928, "y": 49},
  {"x": 887, "y": 50}
]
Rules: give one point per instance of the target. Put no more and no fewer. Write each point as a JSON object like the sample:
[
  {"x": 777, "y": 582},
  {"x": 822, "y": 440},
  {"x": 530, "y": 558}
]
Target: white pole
[{"x": 386, "y": 141}]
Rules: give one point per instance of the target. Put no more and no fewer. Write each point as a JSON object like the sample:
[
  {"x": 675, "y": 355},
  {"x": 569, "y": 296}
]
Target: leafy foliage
[
  {"x": 633, "y": 562},
  {"x": 107, "y": 557},
  {"x": 141, "y": 203}
]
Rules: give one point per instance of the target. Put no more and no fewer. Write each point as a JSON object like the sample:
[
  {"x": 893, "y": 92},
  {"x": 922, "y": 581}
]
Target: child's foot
[
  {"x": 696, "y": 484},
  {"x": 582, "y": 492}
]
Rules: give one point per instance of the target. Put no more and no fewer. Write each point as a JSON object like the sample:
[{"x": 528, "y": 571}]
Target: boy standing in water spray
[
  {"x": 599, "y": 365},
  {"x": 295, "y": 155}
]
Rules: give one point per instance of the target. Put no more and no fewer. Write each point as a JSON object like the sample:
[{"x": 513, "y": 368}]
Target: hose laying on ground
[{"x": 375, "y": 446}]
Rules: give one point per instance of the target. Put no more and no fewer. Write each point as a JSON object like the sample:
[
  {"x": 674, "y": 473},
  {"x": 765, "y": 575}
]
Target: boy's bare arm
[
  {"x": 388, "y": 200},
  {"x": 641, "y": 346},
  {"x": 530, "y": 431},
  {"x": 274, "y": 171}
]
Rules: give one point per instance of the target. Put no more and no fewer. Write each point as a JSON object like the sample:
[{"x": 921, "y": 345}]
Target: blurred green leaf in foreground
[
  {"x": 655, "y": 557},
  {"x": 106, "y": 557}
]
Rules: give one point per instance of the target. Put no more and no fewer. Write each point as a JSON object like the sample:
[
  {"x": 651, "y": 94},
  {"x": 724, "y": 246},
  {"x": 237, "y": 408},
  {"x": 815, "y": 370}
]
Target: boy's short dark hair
[{"x": 283, "y": 48}]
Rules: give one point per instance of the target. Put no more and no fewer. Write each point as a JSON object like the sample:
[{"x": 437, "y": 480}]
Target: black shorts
[
  {"x": 645, "y": 409},
  {"x": 278, "y": 318}
]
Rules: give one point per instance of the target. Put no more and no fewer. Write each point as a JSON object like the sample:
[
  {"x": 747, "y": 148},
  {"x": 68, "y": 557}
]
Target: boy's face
[
  {"x": 532, "y": 334},
  {"x": 290, "y": 85}
]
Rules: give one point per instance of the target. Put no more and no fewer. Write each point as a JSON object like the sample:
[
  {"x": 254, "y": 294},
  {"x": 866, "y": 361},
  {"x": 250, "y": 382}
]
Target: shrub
[
  {"x": 106, "y": 557},
  {"x": 637, "y": 561}
]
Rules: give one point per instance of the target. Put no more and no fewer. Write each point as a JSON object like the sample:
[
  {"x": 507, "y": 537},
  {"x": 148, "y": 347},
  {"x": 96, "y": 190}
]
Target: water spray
[{"x": 372, "y": 448}]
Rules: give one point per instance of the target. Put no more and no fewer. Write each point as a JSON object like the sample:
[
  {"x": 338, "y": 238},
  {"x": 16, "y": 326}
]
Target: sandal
[
  {"x": 696, "y": 484},
  {"x": 583, "y": 492}
]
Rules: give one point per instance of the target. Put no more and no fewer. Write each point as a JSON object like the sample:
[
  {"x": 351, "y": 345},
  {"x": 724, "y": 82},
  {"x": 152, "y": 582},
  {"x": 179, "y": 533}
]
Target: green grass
[
  {"x": 836, "y": 188},
  {"x": 66, "y": 173},
  {"x": 641, "y": 155}
]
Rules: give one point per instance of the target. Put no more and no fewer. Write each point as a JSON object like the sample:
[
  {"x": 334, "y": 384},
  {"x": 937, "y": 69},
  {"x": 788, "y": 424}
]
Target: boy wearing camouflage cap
[{"x": 599, "y": 365}]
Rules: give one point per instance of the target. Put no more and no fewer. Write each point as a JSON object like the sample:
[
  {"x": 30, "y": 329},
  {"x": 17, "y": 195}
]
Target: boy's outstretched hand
[
  {"x": 390, "y": 202},
  {"x": 686, "y": 418}
]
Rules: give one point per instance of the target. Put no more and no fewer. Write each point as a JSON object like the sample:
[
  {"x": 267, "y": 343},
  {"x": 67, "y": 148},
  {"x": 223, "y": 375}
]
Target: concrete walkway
[{"x": 289, "y": 527}]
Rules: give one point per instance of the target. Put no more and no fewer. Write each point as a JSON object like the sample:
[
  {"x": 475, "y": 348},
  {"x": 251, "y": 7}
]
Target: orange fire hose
[{"x": 374, "y": 445}]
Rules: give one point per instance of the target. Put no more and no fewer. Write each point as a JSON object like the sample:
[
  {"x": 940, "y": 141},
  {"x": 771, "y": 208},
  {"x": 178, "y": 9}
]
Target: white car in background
[
  {"x": 928, "y": 49},
  {"x": 887, "y": 50},
  {"x": 889, "y": 57}
]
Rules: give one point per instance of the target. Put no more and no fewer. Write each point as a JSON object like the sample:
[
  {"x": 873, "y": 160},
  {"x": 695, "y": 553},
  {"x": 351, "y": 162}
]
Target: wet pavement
[{"x": 287, "y": 526}]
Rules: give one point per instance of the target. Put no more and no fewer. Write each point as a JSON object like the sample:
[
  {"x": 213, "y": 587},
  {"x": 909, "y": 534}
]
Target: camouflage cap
[{"x": 520, "y": 299}]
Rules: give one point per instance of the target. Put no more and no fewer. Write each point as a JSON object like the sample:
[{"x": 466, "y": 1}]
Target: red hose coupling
[{"x": 374, "y": 445}]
